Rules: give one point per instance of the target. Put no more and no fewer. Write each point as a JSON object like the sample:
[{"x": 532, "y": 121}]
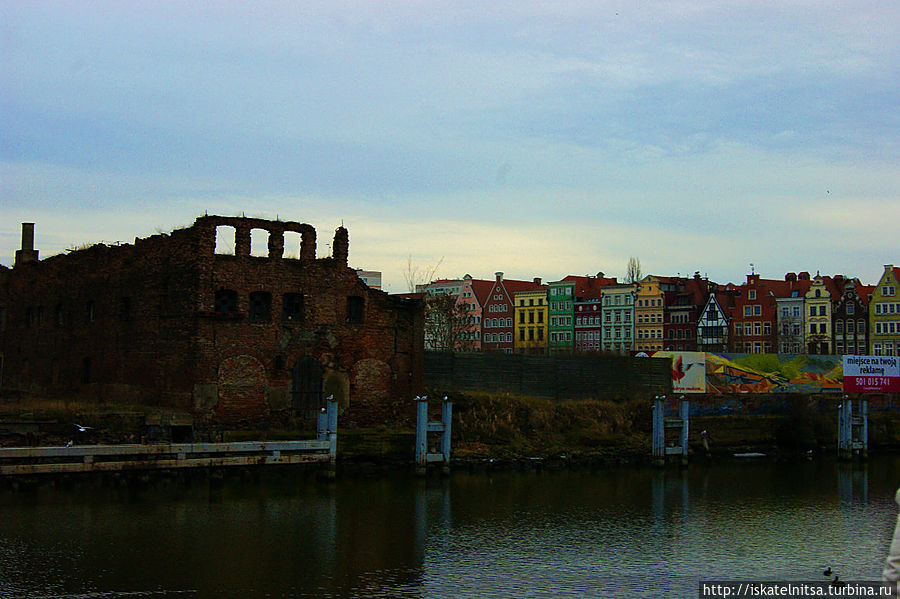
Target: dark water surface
[{"x": 602, "y": 533}]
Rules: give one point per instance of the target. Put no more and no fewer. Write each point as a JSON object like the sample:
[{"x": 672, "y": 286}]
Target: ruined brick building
[{"x": 234, "y": 338}]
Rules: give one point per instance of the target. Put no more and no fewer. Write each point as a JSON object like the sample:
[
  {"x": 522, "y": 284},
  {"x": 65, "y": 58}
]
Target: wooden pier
[{"x": 113, "y": 458}]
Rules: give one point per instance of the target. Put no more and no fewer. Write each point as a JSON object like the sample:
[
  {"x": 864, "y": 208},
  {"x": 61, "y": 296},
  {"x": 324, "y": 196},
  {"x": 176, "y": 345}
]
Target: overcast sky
[{"x": 534, "y": 138}]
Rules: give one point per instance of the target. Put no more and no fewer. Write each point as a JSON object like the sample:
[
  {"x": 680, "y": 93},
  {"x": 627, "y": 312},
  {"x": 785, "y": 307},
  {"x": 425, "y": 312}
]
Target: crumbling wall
[{"x": 169, "y": 320}]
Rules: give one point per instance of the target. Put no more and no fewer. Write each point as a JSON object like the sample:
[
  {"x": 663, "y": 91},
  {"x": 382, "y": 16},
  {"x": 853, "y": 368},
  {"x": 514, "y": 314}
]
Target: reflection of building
[
  {"x": 884, "y": 314},
  {"x": 233, "y": 337}
]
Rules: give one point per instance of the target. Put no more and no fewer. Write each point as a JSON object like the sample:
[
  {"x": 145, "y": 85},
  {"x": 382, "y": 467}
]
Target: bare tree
[
  {"x": 633, "y": 272},
  {"x": 446, "y": 324},
  {"x": 416, "y": 275}
]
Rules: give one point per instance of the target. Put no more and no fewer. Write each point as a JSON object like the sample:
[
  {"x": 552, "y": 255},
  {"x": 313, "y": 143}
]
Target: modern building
[{"x": 372, "y": 278}]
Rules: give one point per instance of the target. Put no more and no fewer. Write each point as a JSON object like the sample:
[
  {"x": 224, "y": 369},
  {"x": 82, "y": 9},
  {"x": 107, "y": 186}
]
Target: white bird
[{"x": 81, "y": 428}]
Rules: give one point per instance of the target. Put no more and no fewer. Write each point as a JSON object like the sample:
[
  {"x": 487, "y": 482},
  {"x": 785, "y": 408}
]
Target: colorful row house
[{"x": 798, "y": 314}]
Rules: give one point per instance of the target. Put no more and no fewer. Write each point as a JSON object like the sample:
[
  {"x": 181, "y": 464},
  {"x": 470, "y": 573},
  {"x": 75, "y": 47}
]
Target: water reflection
[{"x": 610, "y": 533}]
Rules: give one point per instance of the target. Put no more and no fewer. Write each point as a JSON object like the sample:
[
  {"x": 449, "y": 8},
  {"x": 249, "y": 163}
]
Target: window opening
[
  {"x": 225, "y": 235},
  {"x": 292, "y": 307},
  {"x": 260, "y": 306},
  {"x": 259, "y": 243},
  {"x": 226, "y": 301}
]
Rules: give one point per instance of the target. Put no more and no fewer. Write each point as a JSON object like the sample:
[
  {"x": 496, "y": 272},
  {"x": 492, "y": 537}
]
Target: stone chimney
[
  {"x": 804, "y": 276},
  {"x": 791, "y": 277},
  {"x": 537, "y": 280},
  {"x": 27, "y": 253},
  {"x": 499, "y": 276}
]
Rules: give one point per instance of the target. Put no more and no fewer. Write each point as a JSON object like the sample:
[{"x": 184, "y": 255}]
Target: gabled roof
[
  {"x": 513, "y": 285},
  {"x": 481, "y": 289},
  {"x": 865, "y": 293}
]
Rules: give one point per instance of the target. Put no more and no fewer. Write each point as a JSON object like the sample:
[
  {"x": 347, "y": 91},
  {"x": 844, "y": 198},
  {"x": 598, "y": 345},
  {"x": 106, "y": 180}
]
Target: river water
[{"x": 601, "y": 533}]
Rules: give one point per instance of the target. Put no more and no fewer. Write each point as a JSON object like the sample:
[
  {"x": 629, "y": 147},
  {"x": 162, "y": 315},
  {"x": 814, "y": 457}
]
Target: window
[
  {"x": 260, "y": 306},
  {"x": 821, "y": 310},
  {"x": 521, "y": 334},
  {"x": 822, "y": 328},
  {"x": 748, "y": 311},
  {"x": 767, "y": 328},
  {"x": 292, "y": 307},
  {"x": 812, "y": 329},
  {"x": 355, "y": 309},
  {"x": 540, "y": 317},
  {"x": 226, "y": 302},
  {"x": 59, "y": 316},
  {"x": 751, "y": 294},
  {"x": 521, "y": 317},
  {"x": 851, "y": 307},
  {"x": 839, "y": 327},
  {"x": 757, "y": 310},
  {"x": 757, "y": 328},
  {"x": 797, "y": 311},
  {"x": 812, "y": 310},
  {"x": 818, "y": 293}
]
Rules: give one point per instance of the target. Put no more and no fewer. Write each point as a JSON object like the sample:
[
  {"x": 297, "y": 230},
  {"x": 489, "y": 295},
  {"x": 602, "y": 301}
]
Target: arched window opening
[
  {"x": 292, "y": 244},
  {"x": 259, "y": 243},
  {"x": 225, "y": 239}
]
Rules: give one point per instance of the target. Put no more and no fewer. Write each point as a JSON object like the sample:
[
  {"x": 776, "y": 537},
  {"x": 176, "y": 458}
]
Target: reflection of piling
[
  {"x": 853, "y": 429},
  {"x": 679, "y": 425},
  {"x": 423, "y": 427}
]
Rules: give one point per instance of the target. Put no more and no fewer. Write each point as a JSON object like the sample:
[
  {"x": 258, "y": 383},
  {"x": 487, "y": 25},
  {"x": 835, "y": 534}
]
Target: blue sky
[{"x": 534, "y": 138}]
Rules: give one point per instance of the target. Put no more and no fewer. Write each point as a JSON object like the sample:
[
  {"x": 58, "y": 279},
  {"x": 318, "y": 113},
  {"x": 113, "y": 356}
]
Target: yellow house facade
[
  {"x": 884, "y": 314},
  {"x": 648, "y": 314},
  {"x": 530, "y": 321},
  {"x": 818, "y": 317}
]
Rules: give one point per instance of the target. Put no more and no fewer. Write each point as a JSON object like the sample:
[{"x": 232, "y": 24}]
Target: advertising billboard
[
  {"x": 688, "y": 369},
  {"x": 871, "y": 374}
]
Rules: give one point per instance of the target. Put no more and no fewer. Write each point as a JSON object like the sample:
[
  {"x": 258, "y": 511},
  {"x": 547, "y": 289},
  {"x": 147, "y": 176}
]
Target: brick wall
[{"x": 141, "y": 322}]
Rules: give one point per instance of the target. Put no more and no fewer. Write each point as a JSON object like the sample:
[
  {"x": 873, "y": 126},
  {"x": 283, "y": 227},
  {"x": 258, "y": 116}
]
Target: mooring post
[
  {"x": 659, "y": 431},
  {"x": 421, "y": 433},
  {"x": 322, "y": 425},
  {"x": 331, "y": 411},
  {"x": 446, "y": 420},
  {"x": 685, "y": 413}
]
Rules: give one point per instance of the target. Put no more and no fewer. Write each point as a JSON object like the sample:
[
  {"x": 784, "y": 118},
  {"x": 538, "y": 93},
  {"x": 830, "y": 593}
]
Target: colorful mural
[{"x": 773, "y": 373}]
